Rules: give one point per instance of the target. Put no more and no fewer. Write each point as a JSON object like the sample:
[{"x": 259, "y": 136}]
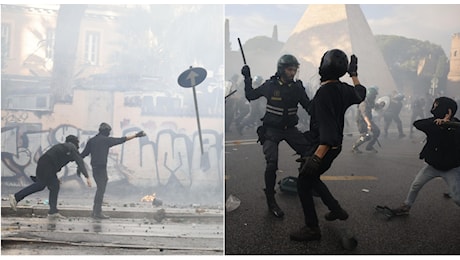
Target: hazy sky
[{"x": 435, "y": 23}]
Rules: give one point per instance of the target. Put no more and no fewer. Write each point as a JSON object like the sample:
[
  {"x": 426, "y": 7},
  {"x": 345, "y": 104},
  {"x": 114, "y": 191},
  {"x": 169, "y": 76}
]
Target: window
[
  {"x": 50, "y": 37},
  {"x": 6, "y": 28},
  {"x": 92, "y": 47}
]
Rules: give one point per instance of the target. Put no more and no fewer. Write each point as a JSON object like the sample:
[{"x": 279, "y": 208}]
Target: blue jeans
[{"x": 426, "y": 174}]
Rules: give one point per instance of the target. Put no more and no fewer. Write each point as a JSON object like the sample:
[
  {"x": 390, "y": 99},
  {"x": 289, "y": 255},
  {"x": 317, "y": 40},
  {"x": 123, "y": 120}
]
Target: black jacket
[
  {"x": 61, "y": 154},
  {"x": 328, "y": 109},
  {"x": 98, "y": 147},
  {"x": 282, "y": 101},
  {"x": 442, "y": 148}
]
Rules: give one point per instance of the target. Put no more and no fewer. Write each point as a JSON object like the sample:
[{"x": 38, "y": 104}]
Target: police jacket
[
  {"x": 61, "y": 154},
  {"x": 282, "y": 101},
  {"x": 98, "y": 147},
  {"x": 442, "y": 147}
]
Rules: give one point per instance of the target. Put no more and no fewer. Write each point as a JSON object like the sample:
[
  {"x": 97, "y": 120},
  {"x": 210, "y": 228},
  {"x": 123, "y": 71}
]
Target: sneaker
[
  {"x": 356, "y": 150},
  {"x": 402, "y": 210},
  {"x": 13, "y": 202},
  {"x": 306, "y": 234},
  {"x": 336, "y": 214},
  {"x": 56, "y": 215},
  {"x": 99, "y": 216}
]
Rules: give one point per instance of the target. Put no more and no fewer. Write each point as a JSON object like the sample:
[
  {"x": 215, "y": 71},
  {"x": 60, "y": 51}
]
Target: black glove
[
  {"x": 310, "y": 165},
  {"x": 246, "y": 72},
  {"x": 140, "y": 134},
  {"x": 353, "y": 67}
]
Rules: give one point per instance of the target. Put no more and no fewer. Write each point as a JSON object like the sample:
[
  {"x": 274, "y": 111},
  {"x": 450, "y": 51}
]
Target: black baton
[{"x": 242, "y": 52}]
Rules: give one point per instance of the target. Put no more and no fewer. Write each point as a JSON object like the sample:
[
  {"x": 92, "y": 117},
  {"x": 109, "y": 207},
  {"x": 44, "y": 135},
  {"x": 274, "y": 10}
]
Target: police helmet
[
  {"x": 72, "y": 139},
  {"x": 105, "y": 129},
  {"x": 334, "y": 64},
  {"x": 372, "y": 91},
  {"x": 287, "y": 60}
]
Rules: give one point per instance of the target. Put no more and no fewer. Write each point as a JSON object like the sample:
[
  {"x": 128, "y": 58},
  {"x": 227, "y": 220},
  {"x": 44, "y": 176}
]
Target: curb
[{"x": 113, "y": 212}]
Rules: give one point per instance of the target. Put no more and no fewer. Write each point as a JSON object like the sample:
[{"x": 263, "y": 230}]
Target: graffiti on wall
[{"x": 166, "y": 158}]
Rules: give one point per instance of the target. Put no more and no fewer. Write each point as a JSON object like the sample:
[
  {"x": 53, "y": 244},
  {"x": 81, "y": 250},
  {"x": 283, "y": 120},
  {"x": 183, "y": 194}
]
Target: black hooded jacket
[{"x": 442, "y": 148}]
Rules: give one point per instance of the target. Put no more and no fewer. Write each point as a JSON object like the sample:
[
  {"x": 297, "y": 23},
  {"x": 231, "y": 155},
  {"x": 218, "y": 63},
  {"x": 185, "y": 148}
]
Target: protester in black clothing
[
  {"x": 441, "y": 152},
  {"x": 392, "y": 114},
  {"x": 283, "y": 94},
  {"x": 98, "y": 147},
  {"x": 48, "y": 165},
  {"x": 325, "y": 138}
]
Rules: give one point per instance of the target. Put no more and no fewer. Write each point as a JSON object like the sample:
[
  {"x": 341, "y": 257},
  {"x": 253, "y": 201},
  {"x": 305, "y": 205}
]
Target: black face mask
[
  {"x": 76, "y": 144},
  {"x": 442, "y": 108},
  {"x": 105, "y": 133}
]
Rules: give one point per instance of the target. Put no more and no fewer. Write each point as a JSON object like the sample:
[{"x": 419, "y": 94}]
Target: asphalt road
[{"x": 359, "y": 182}]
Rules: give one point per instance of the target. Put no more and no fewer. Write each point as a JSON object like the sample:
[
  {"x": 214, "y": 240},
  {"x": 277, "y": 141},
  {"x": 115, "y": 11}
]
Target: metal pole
[{"x": 198, "y": 119}]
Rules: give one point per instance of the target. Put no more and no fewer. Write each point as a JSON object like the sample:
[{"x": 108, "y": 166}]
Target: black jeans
[
  {"x": 101, "y": 179},
  {"x": 306, "y": 184},
  {"x": 46, "y": 177},
  {"x": 295, "y": 140}
]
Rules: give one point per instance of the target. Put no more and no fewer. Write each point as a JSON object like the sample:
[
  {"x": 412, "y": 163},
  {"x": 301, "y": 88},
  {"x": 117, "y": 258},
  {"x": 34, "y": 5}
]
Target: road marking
[
  {"x": 348, "y": 178},
  {"x": 240, "y": 142}
]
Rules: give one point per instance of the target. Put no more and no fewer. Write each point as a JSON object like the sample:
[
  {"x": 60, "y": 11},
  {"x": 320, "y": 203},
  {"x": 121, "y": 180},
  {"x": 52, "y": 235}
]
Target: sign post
[{"x": 189, "y": 79}]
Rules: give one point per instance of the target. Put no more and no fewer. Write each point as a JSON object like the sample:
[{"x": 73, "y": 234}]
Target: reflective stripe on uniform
[
  {"x": 275, "y": 110},
  {"x": 279, "y": 111}
]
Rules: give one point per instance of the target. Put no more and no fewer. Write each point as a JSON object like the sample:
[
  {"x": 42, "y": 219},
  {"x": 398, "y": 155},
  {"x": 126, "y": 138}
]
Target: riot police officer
[
  {"x": 368, "y": 129},
  {"x": 283, "y": 94}
]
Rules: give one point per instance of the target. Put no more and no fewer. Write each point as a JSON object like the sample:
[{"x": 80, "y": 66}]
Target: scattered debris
[
  {"x": 159, "y": 215},
  {"x": 232, "y": 203},
  {"x": 365, "y": 190}
]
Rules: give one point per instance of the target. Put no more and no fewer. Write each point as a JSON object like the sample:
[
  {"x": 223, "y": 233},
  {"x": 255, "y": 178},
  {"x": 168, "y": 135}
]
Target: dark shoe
[
  {"x": 275, "y": 209},
  {"x": 336, "y": 214},
  {"x": 273, "y": 206},
  {"x": 99, "y": 216},
  {"x": 306, "y": 234},
  {"x": 401, "y": 211}
]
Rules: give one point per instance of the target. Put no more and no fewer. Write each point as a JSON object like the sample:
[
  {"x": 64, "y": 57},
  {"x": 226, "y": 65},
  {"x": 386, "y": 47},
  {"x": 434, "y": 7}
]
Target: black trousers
[
  {"x": 101, "y": 179},
  {"x": 295, "y": 140},
  {"x": 46, "y": 177},
  {"x": 306, "y": 185}
]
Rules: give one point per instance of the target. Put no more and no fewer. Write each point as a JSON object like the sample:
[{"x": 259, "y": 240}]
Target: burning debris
[{"x": 152, "y": 198}]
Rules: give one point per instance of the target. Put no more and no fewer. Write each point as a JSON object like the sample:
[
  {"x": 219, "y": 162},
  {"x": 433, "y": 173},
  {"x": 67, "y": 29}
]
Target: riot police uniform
[
  {"x": 279, "y": 121},
  {"x": 368, "y": 133}
]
